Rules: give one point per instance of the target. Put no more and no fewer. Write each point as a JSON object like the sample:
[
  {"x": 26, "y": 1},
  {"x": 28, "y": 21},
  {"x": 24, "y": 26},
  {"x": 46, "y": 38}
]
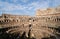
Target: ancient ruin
[{"x": 45, "y": 25}]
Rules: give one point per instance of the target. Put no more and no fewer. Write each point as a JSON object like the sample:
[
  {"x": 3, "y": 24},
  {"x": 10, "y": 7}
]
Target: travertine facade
[
  {"x": 39, "y": 24},
  {"x": 47, "y": 11}
]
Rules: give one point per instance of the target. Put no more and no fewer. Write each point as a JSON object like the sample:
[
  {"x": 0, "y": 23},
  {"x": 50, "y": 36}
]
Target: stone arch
[
  {"x": 0, "y": 21},
  {"x": 30, "y": 18},
  {"x": 4, "y": 16},
  {"x": 33, "y": 20},
  {"x": 7, "y": 20},
  {"x": 17, "y": 20},
  {"x": 13, "y": 20},
  {"x": 58, "y": 19}
]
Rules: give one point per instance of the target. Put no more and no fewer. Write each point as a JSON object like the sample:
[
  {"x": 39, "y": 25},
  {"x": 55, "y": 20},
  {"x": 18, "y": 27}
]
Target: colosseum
[{"x": 45, "y": 25}]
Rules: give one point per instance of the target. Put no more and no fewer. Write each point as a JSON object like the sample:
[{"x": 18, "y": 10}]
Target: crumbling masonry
[{"x": 40, "y": 26}]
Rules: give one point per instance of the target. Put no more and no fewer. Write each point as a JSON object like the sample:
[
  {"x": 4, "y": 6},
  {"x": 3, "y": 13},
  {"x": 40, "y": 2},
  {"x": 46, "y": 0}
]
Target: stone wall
[
  {"x": 39, "y": 24},
  {"x": 10, "y": 20},
  {"x": 47, "y": 11}
]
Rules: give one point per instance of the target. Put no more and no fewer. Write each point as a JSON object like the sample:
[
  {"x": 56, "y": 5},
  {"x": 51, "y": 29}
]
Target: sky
[{"x": 25, "y": 7}]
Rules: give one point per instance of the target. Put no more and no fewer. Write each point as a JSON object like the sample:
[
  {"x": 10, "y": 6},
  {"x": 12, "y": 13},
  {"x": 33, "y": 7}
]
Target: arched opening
[
  {"x": 0, "y": 21},
  {"x": 17, "y": 20},
  {"x": 58, "y": 19}
]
